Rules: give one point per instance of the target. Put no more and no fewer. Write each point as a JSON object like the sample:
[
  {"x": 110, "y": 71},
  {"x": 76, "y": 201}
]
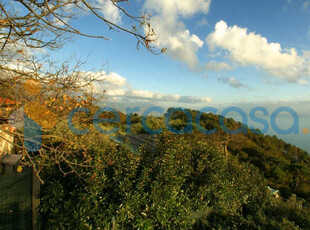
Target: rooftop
[{"x": 6, "y": 102}]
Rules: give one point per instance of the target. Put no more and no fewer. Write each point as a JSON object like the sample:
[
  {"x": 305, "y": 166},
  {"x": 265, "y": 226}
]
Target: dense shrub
[{"x": 187, "y": 184}]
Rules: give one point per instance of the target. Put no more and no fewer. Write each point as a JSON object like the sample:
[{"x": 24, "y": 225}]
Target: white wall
[{"x": 6, "y": 144}]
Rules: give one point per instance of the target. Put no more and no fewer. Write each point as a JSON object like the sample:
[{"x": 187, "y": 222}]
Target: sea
[{"x": 300, "y": 139}]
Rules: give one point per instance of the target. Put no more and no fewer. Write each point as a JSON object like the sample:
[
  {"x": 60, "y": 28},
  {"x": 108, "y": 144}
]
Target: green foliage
[
  {"x": 283, "y": 165},
  {"x": 187, "y": 184}
]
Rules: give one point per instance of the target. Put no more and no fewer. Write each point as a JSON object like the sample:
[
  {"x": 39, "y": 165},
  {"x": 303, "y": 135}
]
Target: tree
[
  {"x": 48, "y": 23},
  {"x": 45, "y": 90}
]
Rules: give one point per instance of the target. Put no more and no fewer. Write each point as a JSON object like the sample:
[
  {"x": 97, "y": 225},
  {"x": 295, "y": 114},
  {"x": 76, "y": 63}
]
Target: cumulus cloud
[
  {"x": 116, "y": 88},
  {"x": 115, "y": 79},
  {"x": 109, "y": 11},
  {"x": 234, "y": 83},
  {"x": 110, "y": 83},
  {"x": 247, "y": 48},
  {"x": 171, "y": 31}
]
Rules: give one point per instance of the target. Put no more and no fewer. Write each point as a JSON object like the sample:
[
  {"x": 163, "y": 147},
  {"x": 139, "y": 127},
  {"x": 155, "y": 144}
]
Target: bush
[{"x": 187, "y": 184}]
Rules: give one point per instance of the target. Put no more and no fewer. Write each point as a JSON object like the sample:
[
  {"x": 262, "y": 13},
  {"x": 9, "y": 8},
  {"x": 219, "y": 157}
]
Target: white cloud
[
  {"x": 115, "y": 79},
  {"x": 252, "y": 49},
  {"x": 158, "y": 97},
  {"x": 306, "y": 54},
  {"x": 115, "y": 92},
  {"x": 109, "y": 11},
  {"x": 178, "y": 7},
  {"x": 140, "y": 94},
  {"x": 171, "y": 31},
  {"x": 217, "y": 66},
  {"x": 232, "y": 82},
  {"x": 194, "y": 100},
  {"x": 144, "y": 94},
  {"x": 110, "y": 83},
  {"x": 116, "y": 88},
  {"x": 303, "y": 82}
]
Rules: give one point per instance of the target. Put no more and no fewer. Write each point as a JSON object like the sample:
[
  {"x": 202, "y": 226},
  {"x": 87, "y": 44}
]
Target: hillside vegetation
[
  {"x": 285, "y": 166},
  {"x": 193, "y": 181}
]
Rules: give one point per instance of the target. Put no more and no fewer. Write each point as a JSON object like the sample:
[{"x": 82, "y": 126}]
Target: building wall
[{"x": 6, "y": 144}]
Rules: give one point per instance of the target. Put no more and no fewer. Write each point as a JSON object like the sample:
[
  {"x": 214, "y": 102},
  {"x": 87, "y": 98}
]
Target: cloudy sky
[{"x": 219, "y": 53}]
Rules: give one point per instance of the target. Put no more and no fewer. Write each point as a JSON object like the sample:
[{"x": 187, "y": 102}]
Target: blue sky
[{"x": 229, "y": 54}]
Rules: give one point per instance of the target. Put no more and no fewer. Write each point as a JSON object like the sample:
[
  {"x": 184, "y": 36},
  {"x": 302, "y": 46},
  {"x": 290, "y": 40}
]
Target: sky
[
  {"x": 224, "y": 51},
  {"x": 243, "y": 53}
]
